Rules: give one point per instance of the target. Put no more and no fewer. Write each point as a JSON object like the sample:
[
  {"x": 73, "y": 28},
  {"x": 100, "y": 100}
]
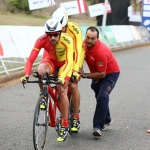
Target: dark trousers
[{"x": 102, "y": 89}]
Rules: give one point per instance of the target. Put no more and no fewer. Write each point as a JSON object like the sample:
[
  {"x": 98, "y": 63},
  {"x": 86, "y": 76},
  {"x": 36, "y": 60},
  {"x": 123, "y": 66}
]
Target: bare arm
[{"x": 94, "y": 75}]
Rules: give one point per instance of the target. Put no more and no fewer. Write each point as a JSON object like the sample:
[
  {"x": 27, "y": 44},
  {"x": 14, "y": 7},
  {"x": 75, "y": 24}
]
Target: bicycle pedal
[{"x": 42, "y": 107}]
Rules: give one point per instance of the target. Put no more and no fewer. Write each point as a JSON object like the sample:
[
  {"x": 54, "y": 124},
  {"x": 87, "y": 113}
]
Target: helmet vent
[
  {"x": 62, "y": 20},
  {"x": 52, "y": 28}
]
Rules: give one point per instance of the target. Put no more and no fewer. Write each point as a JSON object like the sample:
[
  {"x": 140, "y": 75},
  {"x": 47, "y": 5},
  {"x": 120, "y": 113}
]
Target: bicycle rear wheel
[{"x": 40, "y": 125}]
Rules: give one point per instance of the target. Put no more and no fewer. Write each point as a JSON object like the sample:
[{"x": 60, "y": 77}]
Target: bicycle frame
[
  {"x": 53, "y": 101},
  {"x": 45, "y": 110},
  {"x": 53, "y": 104},
  {"x": 51, "y": 94}
]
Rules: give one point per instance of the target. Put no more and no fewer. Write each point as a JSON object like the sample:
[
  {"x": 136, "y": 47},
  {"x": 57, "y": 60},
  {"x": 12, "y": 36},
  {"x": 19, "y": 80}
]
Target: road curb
[
  {"x": 14, "y": 76},
  {"x": 130, "y": 47},
  {"x": 7, "y": 78}
]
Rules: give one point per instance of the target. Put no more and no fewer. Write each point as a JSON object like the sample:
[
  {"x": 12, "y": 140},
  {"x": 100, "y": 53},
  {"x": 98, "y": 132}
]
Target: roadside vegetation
[
  {"x": 21, "y": 20},
  {"x": 16, "y": 12},
  {"x": 32, "y": 20}
]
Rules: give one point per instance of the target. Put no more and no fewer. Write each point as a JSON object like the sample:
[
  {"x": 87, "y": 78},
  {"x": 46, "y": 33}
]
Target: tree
[{"x": 3, "y": 5}]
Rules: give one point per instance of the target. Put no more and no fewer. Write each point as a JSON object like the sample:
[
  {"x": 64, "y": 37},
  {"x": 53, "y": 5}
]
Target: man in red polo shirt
[{"x": 104, "y": 72}]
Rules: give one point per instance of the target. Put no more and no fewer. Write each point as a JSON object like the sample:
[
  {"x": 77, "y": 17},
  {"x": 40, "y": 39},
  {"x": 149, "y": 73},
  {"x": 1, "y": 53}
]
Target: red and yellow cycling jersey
[
  {"x": 61, "y": 54},
  {"x": 75, "y": 32},
  {"x": 82, "y": 57}
]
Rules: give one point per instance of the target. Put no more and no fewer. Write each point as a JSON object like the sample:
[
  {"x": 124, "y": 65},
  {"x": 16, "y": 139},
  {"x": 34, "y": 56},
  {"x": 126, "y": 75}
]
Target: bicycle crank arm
[{"x": 43, "y": 124}]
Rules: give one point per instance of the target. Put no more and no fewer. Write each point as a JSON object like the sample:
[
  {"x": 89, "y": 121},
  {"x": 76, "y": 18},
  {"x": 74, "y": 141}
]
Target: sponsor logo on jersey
[
  {"x": 60, "y": 52},
  {"x": 100, "y": 63},
  {"x": 59, "y": 48},
  {"x": 66, "y": 39},
  {"x": 75, "y": 29}
]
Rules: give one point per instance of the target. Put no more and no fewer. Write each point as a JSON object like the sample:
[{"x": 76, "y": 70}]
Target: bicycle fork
[{"x": 53, "y": 104}]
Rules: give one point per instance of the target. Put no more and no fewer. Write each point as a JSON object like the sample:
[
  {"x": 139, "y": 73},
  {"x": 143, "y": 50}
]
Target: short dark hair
[{"x": 93, "y": 28}]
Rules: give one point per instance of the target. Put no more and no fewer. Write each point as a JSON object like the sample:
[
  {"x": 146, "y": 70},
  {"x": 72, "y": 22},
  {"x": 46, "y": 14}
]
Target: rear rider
[{"x": 74, "y": 31}]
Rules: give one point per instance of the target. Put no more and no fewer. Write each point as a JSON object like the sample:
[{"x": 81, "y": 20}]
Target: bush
[{"x": 21, "y": 5}]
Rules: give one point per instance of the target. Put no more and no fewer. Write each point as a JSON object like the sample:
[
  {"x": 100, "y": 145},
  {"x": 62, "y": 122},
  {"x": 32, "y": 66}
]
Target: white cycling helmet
[
  {"x": 62, "y": 15},
  {"x": 64, "y": 9},
  {"x": 52, "y": 25}
]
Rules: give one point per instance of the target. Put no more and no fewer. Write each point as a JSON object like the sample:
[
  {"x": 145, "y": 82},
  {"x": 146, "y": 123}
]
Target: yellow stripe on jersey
[
  {"x": 75, "y": 32},
  {"x": 36, "y": 49}
]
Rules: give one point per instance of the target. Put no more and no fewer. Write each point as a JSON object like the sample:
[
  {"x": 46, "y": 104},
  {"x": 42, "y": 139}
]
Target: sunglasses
[{"x": 53, "y": 34}]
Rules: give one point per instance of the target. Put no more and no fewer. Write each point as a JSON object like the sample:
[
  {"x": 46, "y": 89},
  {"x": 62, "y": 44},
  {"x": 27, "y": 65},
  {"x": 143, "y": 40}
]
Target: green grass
[
  {"x": 21, "y": 20},
  {"x": 30, "y": 20}
]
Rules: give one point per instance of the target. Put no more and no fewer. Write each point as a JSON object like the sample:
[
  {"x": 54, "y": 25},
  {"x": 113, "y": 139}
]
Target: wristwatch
[{"x": 84, "y": 75}]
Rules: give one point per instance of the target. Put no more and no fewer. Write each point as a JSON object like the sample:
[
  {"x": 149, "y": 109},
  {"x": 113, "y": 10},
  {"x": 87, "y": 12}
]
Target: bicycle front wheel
[{"x": 40, "y": 124}]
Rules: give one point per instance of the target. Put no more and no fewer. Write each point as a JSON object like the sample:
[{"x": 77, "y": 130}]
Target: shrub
[{"x": 21, "y": 5}]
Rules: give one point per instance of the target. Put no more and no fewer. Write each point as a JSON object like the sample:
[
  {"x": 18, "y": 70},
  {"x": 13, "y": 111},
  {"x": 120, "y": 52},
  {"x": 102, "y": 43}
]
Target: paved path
[{"x": 129, "y": 105}]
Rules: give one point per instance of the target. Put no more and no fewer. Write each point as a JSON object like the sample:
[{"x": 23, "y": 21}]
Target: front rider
[{"x": 59, "y": 47}]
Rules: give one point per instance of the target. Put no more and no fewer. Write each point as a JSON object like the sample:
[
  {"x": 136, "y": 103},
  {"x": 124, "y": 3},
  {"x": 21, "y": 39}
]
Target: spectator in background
[{"x": 104, "y": 72}]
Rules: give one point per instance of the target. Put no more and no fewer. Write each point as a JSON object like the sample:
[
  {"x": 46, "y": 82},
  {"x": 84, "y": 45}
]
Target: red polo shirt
[{"x": 100, "y": 59}]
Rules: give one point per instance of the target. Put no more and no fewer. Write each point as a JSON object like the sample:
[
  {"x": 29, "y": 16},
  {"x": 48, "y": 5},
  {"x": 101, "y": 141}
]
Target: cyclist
[
  {"x": 75, "y": 32},
  {"x": 60, "y": 49}
]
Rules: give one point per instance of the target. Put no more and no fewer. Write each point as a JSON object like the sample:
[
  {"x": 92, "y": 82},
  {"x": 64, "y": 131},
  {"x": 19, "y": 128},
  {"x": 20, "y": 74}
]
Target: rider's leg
[
  {"x": 42, "y": 68},
  {"x": 75, "y": 125},
  {"x": 64, "y": 102},
  {"x": 45, "y": 66},
  {"x": 75, "y": 98},
  {"x": 64, "y": 107}
]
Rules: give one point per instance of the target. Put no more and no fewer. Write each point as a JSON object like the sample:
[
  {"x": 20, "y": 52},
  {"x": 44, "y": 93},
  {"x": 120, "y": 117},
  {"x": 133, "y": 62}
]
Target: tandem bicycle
[{"x": 48, "y": 115}]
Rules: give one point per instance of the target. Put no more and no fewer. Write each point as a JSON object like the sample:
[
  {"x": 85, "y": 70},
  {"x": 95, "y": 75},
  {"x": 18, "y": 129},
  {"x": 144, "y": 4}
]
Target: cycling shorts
[{"x": 53, "y": 65}]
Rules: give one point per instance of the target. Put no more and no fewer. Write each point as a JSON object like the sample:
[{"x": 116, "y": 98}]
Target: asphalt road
[{"x": 129, "y": 106}]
